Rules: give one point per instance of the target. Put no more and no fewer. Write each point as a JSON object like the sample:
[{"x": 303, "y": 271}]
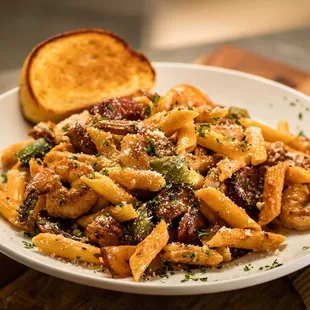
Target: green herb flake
[
  {"x": 106, "y": 143},
  {"x": 218, "y": 141},
  {"x": 300, "y": 116},
  {"x": 150, "y": 148},
  {"x": 301, "y": 134},
  {"x": 61, "y": 201},
  {"x": 105, "y": 171},
  {"x": 121, "y": 204},
  {"x": 237, "y": 122},
  {"x": 104, "y": 118},
  {"x": 28, "y": 245},
  {"x": 65, "y": 128},
  {"x": 51, "y": 129},
  {"x": 155, "y": 99},
  {"x": 203, "y": 233},
  {"x": 248, "y": 267},
  {"x": 148, "y": 110},
  {"x": 292, "y": 104},
  {"x": 4, "y": 178},
  {"x": 94, "y": 164},
  {"x": 306, "y": 248},
  {"x": 190, "y": 108},
  {"x": 205, "y": 279}
]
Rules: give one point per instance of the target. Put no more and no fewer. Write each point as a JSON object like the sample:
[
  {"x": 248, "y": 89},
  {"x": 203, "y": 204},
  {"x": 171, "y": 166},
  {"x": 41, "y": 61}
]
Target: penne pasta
[
  {"x": 106, "y": 187},
  {"x": 206, "y": 114},
  {"x": 225, "y": 252},
  {"x": 190, "y": 254},
  {"x": 272, "y": 195},
  {"x": 176, "y": 119},
  {"x": 297, "y": 175},
  {"x": 116, "y": 258},
  {"x": 187, "y": 139},
  {"x": 283, "y": 126},
  {"x": 35, "y": 166},
  {"x": 197, "y": 179},
  {"x": 245, "y": 239},
  {"x": 147, "y": 250},
  {"x": 226, "y": 209},
  {"x": 228, "y": 167},
  {"x": 16, "y": 186},
  {"x": 258, "y": 151},
  {"x": 137, "y": 179},
  {"x": 220, "y": 144},
  {"x": 61, "y": 246},
  {"x": 123, "y": 213},
  {"x": 104, "y": 142},
  {"x": 269, "y": 134},
  {"x": 208, "y": 213}
]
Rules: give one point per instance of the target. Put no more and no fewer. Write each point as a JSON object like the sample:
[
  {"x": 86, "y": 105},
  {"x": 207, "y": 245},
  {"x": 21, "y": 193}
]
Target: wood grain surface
[
  {"x": 232, "y": 57},
  {"x": 24, "y": 288}
]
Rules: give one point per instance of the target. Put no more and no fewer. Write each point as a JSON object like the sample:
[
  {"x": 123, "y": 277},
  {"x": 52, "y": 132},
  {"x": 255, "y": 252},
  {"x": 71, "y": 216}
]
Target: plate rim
[{"x": 169, "y": 289}]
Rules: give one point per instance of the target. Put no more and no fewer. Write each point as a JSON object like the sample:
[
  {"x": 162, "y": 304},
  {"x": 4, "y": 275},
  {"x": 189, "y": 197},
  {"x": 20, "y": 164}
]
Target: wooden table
[{"x": 24, "y": 288}]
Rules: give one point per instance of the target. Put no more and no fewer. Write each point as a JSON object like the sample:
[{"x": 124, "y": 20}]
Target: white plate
[{"x": 266, "y": 100}]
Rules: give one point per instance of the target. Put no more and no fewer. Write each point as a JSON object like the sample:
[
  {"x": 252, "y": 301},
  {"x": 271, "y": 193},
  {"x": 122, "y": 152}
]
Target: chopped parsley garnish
[
  {"x": 51, "y": 129},
  {"x": 189, "y": 275},
  {"x": 300, "y": 116},
  {"x": 28, "y": 245},
  {"x": 39, "y": 162},
  {"x": 106, "y": 143},
  {"x": 190, "y": 108},
  {"x": 121, "y": 204},
  {"x": 216, "y": 118},
  {"x": 104, "y": 118},
  {"x": 65, "y": 128},
  {"x": 201, "y": 129},
  {"x": 244, "y": 144},
  {"x": 203, "y": 233},
  {"x": 150, "y": 148},
  {"x": 274, "y": 265},
  {"x": 148, "y": 110},
  {"x": 99, "y": 270},
  {"x": 248, "y": 267},
  {"x": 61, "y": 201},
  {"x": 218, "y": 141},
  {"x": 4, "y": 178},
  {"x": 301, "y": 134},
  {"x": 98, "y": 155},
  {"x": 292, "y": 104},
  {"x": 155, "y": 99},
  {"x": 306, "y": 247},
  {"x": 75, "y": 165},
  {"x": 112, "y": 273},
  {"x": 74, "y": 157},
  {"x": 111, "y": 108},
  {"x": 105, "y": 171},
  {"x": 94, "y": 164},
  {"x": 205, "y": 279},
  {"x": 237, "y": 122}
]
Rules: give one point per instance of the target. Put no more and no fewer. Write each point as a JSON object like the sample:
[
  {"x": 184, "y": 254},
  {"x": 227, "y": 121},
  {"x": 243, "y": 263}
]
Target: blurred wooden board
[{"x": 232, "y": 57}]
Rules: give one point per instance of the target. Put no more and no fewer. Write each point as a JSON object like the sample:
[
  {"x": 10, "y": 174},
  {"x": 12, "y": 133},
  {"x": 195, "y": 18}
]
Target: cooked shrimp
[
  {"x": 75, "y": 201},
  {"x": 61, "y": 201},
  {"x": 295, "y": 212},
  {"x": 182, "y": 96}
]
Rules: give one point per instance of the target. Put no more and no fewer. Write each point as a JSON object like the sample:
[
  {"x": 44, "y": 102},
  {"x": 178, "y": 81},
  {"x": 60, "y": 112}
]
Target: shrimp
[
  {"x": 295, "y": 212},
  {"x": 61, "y": 201},
  {"x": 182, "y": 96},
  {"x": 74, "y": 201}
]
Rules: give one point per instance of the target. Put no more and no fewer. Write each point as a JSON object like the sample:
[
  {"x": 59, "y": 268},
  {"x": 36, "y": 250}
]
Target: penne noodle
[
  {"x": 228, "y": 167},
  {"x": 123, "y": 213},
  {"x": 104, "y": 142},
  {"x": 208, "y": 213},
  {"x": 176, "y": 119},
  {"x": 245, "y": 239},
  {"x": 272, "y": 195},
  {"x": 137, "y": 179},
  {"x": 147, "y": 250},
  {"x": 225, "y": 252},
  {"x": 258, "y": 151},
  {"x": 219, "y": 144},
  {"x": 16, "y": 186},
  {"x": 197, "y": 179},
  {"x": 116, "y": 258},
  {"x": 191, "y": 254},
  {"x": 297, "y": 175},
  {"x": 269, "y": 134},
  {"x": 207, "y": 115},
  {"x": 187, "y": 139},
  {"x": 226, "y": 209},
  {"x": 283, "y": 126},
  {"x": 106, "y": 187},
  {"x": 61, "y": 246}
]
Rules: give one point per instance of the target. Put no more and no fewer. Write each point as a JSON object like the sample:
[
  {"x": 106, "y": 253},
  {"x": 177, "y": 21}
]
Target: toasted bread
[{"x": 72, "y": 71}]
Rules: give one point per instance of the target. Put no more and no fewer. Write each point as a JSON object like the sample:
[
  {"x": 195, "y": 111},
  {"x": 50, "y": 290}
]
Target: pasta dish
[{"x": 144, "y": 184}]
